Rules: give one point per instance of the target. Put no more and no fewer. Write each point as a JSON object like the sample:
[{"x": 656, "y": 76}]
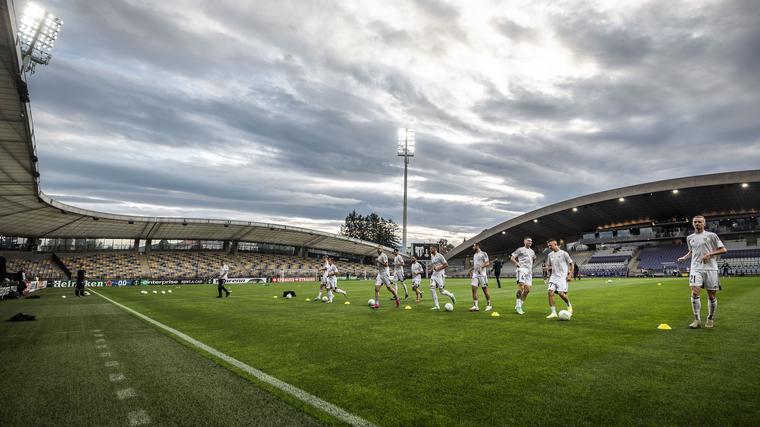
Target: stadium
[{"x": 150, "y": 345}]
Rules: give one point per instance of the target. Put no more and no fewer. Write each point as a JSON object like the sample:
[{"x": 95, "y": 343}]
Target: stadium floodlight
[
  {"x": 745, "y": 185},
  {"x": 37, "y": 34},
  {"x": 675, "y": 191},
  {"x": 405, "y": 144},
  {"x": 622, "y": 199}
]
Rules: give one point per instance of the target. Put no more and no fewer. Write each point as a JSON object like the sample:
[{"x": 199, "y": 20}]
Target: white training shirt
[
  {"x": 332, "y": 269},
  {"x": 382, "y": 263},
  {"x": 525, "y": 257},
  {"x": 559, "y": 262},
  {"x": 701, "y": 244},
  {"x": 417, "y": 270},
  {"x": 437, "y": 261},
  {"x": 479, "y": 260},
  {"x": 223, "y": 272},
  {"x": 398, "y": 261}
]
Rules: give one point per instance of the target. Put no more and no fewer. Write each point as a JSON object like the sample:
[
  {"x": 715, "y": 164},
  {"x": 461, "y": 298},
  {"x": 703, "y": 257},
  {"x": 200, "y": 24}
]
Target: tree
[{"x": 372, "y": 228}]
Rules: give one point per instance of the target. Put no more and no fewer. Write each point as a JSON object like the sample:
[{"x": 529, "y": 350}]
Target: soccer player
[
  {"x": 480, "y": 264},
  {"x": 562, "y": 272},
  {"x": 81, "y": 281},
  {"x": 417, "y": 270},
  {"x": 383, "y": 278},
  {"x": 223, "y": 271},
  {"x": 523, "y": 257},
  {"x": 398, "y": 272},
  {"x": 497, "y": 271},
  {"x": 704, "y": 246},
  {"x": 323, "y": 280},
  {"x": 332, "y": 281},
  {"x": 438, "y": 278}
]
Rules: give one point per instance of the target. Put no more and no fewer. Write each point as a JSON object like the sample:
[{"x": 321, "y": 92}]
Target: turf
[
  {"x": 54, "y": 372},
  {"x": 608, "y": 365}
]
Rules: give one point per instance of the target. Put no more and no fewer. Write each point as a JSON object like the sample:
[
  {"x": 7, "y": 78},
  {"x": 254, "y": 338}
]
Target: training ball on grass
[
  {"x": 288, "y": 296},
  {"x": 163, "y": 292},
  {"x": 63, "y": 296},
  {"x": 448, "y": 307},
  {"x": 155, "y": 292},
  {"x": 609, "y": 280},
  {"x": 564, "y": 315},
  {"x": 170, "y": 291},
  {"x": 144, "y": 292},
  {"x": 86, "y": 293},
  {"x": 371, "y": 302},
  {"x": 325, "y": 299}
]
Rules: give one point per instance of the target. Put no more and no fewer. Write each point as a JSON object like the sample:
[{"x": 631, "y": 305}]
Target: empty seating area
[
  {"x": 43, "y": 268},
  {"x": 741, "y": 259},
  {"x": 105, "y": 265},
  {"x": 608, "y": 261}
]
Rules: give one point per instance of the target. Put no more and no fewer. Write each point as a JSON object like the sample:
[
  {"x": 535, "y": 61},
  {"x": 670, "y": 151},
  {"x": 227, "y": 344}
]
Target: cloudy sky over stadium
[{"x": 287, "y": 111}]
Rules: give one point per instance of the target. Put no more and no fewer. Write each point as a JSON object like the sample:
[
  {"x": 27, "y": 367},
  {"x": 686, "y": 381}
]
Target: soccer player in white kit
[
  {"x": 523, "y": 257},
  {"x": 704, "y": 246},
  {"x": 562, "y": 270},
  {"x": 383, "y": 278},
  {"x": 417, "y": 270},
  {"x": 332, "y": 281},
  {"x": 480, "y": 263},
  {"x": 323, "y": 280},
  {"x": 438, "y": 278},
  {"x": 398, "y": 272}
]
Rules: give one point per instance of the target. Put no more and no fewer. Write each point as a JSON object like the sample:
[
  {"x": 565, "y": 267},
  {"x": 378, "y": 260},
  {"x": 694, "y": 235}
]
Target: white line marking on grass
[
  {"x": 125, "y": 393},
  {"x": 294, "y": 391},
  {"x": 112, "y": 364},
  {"x": 116, "y": 377},
  {"x": 138, "y": 418}
]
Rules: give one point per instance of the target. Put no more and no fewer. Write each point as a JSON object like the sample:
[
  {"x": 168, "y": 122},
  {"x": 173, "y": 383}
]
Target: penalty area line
[{"x": 292, "y": 390}]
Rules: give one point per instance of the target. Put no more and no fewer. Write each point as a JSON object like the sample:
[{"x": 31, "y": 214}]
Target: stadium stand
[
  {"x": 36, "y": 265},
  {"x": 106, "y": 265}
]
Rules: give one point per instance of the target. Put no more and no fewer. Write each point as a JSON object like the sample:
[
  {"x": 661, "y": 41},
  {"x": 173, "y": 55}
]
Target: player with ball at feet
[
  {"x": 437, "y": 277},
  {"x": 383, "y": 278},
  {"x": 562, "y": 272},
  {"x": 704, "y": 246}
]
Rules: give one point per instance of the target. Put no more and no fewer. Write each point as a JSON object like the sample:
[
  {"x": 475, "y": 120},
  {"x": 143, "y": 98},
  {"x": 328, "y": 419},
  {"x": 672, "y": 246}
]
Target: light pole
[
  {"x": 37, "y": 34},
  {"x": 405, "y": 149}
]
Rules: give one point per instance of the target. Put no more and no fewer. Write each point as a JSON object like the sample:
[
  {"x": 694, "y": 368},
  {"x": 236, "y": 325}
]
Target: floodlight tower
[
  {"x": 37, "y": 34},
  {"x": 405, "y": 149}
]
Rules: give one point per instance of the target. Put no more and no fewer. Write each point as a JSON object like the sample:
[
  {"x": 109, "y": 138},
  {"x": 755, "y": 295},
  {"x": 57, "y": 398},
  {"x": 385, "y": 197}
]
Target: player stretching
[
  {"x": 480, "y": 263},
  {"x": 398, "y": 272},
  {"x": 332, "y": 280},
  {"x": 323, "y": 280},
  {"x": 704, "y": 246},
  {"x": 562, "y": 269},
  {"x": 383, "y": 278},
  {"x": 417, "y": 270},
  {"x": 523, "y": 257},
  {"x": 437, "y": 277}
]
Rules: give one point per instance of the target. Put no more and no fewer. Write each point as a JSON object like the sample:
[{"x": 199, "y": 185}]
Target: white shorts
[
  {"x": 558, "y": 285},
  {"x": 524, "y": 277},
  {"x": 707, "y": 279},
  {"x": 437, "y": 281},
  {"x": 399, "y": 274},
  {"x": 332, "y": 283},
  {"x": 383, "y": 279},
  {"x": 479, "y": 280},
  {"x": 416, "y": 282}
]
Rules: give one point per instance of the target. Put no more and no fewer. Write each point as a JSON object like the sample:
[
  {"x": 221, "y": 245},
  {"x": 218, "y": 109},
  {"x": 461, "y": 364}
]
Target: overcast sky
[{"x": 287, "y": 111}]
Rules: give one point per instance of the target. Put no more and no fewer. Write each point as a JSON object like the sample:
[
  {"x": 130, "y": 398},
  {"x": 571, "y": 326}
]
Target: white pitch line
[
  {"x": 138, "y": 418},
  {"x": 125, "y": 393},
  {"x": 116, "y": 377},
  {"x": 292, "y": 390}
]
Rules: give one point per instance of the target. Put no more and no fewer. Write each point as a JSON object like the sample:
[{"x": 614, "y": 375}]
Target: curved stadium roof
[
  {"x": 715, "y": 195},
  {"x": 26, "y": 211}
]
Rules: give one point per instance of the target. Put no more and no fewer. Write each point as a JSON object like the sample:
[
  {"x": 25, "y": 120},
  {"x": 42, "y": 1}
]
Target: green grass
[{"x": 609, "y": 365}]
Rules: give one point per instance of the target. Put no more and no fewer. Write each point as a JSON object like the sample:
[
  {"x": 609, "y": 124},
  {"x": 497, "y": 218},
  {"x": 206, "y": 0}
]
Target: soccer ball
[
  {"x": 448, "y": 307},
  {"x": 325, "y": 299},
  {"x": 63, "y": 296},
  {"x": 289, "y": 296},
  {"x": 371, "y": 302},
  {"x": 609, "y": 280},
  {"x": 564, "y": 315},
  {"x": 163, "y": 292},
  {"x": 155, "y": 292},
  {"x": 170, "y": 291}
]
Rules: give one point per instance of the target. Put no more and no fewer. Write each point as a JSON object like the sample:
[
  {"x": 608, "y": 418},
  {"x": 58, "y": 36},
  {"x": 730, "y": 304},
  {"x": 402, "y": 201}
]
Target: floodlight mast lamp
[
  {"x": 405, "y": 148},
  {"x": 37, "y": 34}
]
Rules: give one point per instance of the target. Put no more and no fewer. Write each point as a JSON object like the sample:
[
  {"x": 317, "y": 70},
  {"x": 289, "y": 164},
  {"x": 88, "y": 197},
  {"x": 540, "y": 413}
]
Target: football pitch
[{"x": 608, "y": 365}]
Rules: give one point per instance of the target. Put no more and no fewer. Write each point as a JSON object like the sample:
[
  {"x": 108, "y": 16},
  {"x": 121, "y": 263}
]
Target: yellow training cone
[
  {"x": 347, "y": 303},
  {"x": 274, "y": 296},
  {"x": 495, "y": 314},
  {"x": 408, "y": 307},
  {"x": 308, "y": 300},
  {"x": 659, "y": 284},
  {"x": 664, "y": 327}
]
